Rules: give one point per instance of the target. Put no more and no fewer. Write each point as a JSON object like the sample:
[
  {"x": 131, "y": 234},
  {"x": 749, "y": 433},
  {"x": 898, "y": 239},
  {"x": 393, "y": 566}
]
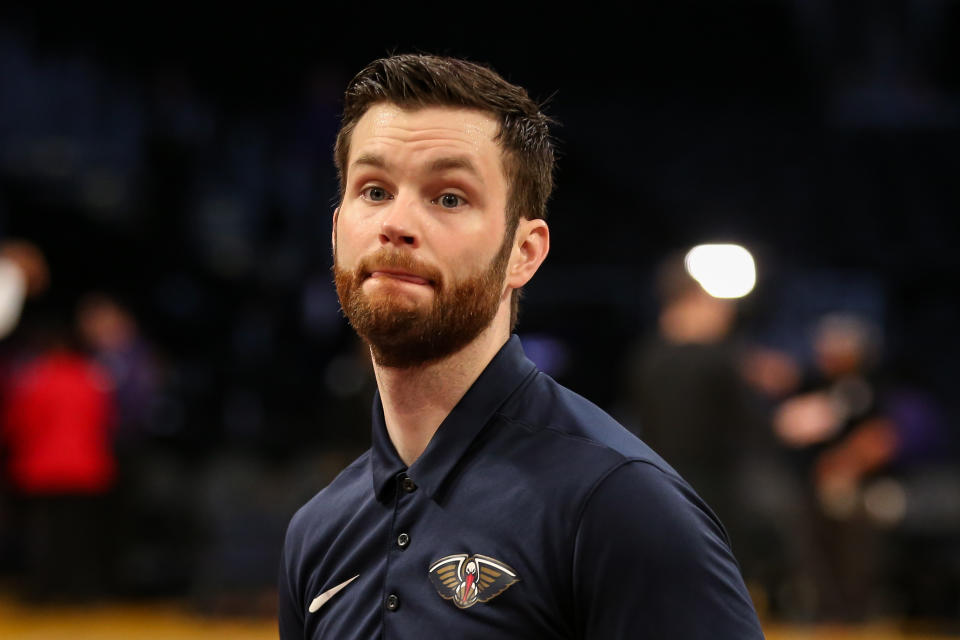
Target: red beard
[{"x": 402, "y": 334}]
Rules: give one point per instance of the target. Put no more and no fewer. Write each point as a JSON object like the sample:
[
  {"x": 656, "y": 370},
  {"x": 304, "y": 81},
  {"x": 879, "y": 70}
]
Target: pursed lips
[{"x": 399, "y": 275}]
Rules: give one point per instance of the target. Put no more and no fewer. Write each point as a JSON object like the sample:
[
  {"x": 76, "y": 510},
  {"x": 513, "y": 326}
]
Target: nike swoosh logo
[{"x": 321, "y": 599}]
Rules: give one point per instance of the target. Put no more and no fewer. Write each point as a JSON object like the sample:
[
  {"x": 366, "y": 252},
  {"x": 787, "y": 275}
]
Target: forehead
[{"x": 389, "y": 129}]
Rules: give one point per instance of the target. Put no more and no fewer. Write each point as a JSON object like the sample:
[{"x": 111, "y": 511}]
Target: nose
[{"x": 399, "y": 224}]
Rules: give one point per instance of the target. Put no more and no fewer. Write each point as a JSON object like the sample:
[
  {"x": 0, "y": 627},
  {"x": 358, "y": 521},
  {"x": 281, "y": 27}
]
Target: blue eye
[
  {"x": 375, "y": 194},
  {"x": 450, "y": 201}
]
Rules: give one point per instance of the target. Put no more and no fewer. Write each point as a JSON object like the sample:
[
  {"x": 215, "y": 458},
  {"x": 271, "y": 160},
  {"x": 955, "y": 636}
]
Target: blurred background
[{"x": 177, "y": 378}]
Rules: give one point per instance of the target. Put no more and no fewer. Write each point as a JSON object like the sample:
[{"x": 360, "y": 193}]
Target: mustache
[{"x": 387, "y": 259}]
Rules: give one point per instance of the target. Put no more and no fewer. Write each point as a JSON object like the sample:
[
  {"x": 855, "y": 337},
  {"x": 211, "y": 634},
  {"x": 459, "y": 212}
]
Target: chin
[{"x": 397, "y": 303}]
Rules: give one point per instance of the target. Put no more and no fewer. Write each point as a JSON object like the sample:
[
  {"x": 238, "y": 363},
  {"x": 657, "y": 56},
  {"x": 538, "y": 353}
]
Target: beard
[{"x": 401, "y": 333}]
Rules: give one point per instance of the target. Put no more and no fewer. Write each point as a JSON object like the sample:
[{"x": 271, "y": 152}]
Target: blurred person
[
  {"x": 845, "y": 426},
  {"x": 56, "y": 438},
  {"x": 24, "y": 277},
  {"x": 684, "y": 389},
  {"x": 493, "y": 502},
  {"x": 110, "y": 332},
  {"x": 835, "y": 421},
  {"x": 29, "y": 258},
  {"x": 686, "y": 393},
  {"x": 23, "y": 274}
]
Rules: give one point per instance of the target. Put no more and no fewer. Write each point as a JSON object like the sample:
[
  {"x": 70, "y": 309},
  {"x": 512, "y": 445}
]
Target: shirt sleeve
[
  {"x": 652, "y": 561},
  {"x": 289, "y": 606}
]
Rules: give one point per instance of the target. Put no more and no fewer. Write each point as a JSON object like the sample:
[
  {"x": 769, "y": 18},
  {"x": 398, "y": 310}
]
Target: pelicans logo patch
[{"x": 468, "y": 580}]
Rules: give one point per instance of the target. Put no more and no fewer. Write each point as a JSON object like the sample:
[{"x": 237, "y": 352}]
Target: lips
[
  {"x": 398, "y": 266},
  {"x": 399, "y": 275}
]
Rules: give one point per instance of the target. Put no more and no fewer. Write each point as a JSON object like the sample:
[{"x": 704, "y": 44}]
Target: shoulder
[
  {"x": 649, "y": 552},
  {"x": 564, "y": 446},
  {"x": 657, "y": 509},
  {"x": 564, "y": 419}
]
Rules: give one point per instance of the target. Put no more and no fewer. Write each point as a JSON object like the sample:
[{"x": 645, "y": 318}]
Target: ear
[{"x": 530, "y": 248}]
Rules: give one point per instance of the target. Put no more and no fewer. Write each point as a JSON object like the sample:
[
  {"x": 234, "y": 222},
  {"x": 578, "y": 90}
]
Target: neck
[{"x": 417, "y": 399}]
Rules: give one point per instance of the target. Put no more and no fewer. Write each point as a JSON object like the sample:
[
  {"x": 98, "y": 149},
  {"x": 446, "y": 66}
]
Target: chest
[{"x": 468, "y": 564}]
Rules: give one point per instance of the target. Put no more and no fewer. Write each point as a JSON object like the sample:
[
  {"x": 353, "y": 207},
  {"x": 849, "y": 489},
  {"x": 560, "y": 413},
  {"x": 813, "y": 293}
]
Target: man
[{"x": 494, "y": 503}]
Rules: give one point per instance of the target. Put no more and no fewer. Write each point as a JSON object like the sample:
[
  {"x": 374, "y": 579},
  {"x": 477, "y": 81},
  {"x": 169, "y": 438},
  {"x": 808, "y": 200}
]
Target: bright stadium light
[{"x": 723, "y": 270}]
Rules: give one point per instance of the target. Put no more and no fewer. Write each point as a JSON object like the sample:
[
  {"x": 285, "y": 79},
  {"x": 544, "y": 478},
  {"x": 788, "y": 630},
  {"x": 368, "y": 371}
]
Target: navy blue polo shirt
[{"x": 531, "y": 514}]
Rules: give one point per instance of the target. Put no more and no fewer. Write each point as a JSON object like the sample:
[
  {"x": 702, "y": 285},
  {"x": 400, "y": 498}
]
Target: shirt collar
[{"x": 502, "y": 376}]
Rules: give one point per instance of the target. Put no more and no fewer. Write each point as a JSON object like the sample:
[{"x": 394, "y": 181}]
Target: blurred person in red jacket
[{"x": 60, "y": 465}]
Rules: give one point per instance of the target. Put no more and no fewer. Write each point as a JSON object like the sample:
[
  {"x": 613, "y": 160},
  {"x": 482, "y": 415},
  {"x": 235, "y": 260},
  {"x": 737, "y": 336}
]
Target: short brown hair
[{"x": 415, "y": 81}]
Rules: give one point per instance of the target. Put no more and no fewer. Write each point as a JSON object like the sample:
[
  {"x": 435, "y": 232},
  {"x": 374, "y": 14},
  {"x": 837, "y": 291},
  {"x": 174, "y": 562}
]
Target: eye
[
  {"x": 450, "y": 201},
  {"x": 375, "y": 194}
]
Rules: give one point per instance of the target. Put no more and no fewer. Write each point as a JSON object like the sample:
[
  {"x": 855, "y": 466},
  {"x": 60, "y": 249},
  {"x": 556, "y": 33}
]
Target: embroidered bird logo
[{"x": 468, "y": 580}]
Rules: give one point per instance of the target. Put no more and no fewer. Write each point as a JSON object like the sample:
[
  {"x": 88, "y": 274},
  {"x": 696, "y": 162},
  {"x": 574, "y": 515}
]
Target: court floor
[{"x": 173, "y": 621}]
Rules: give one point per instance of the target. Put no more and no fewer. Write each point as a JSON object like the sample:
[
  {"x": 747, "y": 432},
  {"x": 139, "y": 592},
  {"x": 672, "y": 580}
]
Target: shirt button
[
  {"x": 403, "y": 540},
  {"x": 393, "y": 602},
  {"x": 408, "y": 485}
]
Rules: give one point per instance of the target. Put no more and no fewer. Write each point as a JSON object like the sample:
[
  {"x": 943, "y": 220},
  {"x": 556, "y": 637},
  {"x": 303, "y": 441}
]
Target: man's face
[{"x": 420, "y": 246}]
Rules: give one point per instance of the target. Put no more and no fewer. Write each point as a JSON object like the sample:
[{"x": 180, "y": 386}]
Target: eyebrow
[
  {"x": 446, "y": 163},
  {"x": 449, "y": 163},
  {"x": 371, "y": 160}
]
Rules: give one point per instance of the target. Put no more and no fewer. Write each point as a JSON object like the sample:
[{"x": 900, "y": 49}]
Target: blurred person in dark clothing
[
  {"x": 56, "y": 439},
  {"x": 849, "y": 418},
  {"x": 846, "y": 426},
  {"x": 837, "y": 435},
  {"x": 691, "y": 391},
  {"x": 685, "y": 392},
  {"x": 111, "y": 333},
  {"x": 835, "y": 421}
]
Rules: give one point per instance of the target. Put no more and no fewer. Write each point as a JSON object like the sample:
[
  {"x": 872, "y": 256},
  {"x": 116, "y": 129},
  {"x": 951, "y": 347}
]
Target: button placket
[{"x": 406, "y": 486}]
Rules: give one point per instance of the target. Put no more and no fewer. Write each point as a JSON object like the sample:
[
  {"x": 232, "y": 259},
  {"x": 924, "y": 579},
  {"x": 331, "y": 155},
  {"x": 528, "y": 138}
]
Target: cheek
[
  {"x": 468, "y": 258},
  {"x": 349, "y": 237},
  {"x": 472, "y": 234}
]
